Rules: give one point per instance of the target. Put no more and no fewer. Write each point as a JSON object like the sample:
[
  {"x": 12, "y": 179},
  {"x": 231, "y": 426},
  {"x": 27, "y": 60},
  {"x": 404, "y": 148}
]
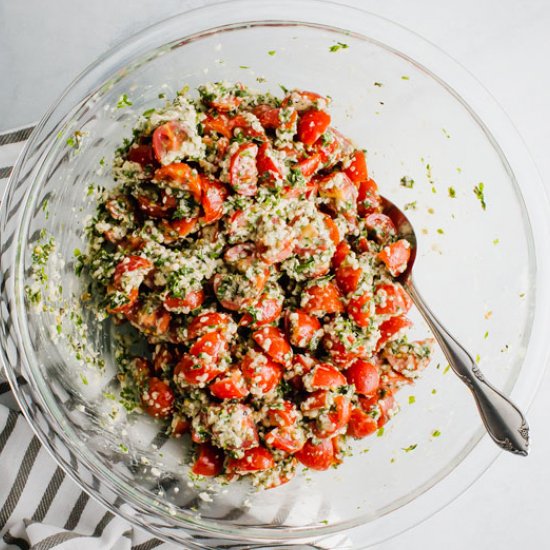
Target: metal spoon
[{"x": 505, "y": 423}]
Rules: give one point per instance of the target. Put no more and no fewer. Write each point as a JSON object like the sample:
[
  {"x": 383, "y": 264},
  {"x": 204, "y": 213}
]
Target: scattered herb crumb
[
  {"x": 478, "y": 358},
  {"x": 459, "y": 170},
  {"x": 480, "y": 194},
  {"x": 486, "y": 335},
  {"x": 445, "y": 133},
  {"x": 392, "y": 460},
  {"x": 505, "y": 348},
  {"x": 123, "y": 448},
  {"x": 338, "y": 46},
  {"x": 244, "y": 67},
  {"x": 379, "y": 84},
  {"x": 407, "y": 182},
  {"x": 452, "y": 192},
  {"x": 410, "y": 206},
  {"x": 123, "y": 101},
  {"x": 440, "y": 231},
  {"x": 496, "y": 241},
  {"x": 84, "y": 379},
  {"x": 324, "y": 522},
  {"x": 431, "y": 211},
  {"x": 380, "y": 432},
  {"x": 410, "y": 448},
  {"x": 271, "y": 52},
  {"x": 436, "y": 433},
  {"x": 522, "y": 295},
  {"x": 446, "y": 369},
  {"x": 261, "y": 79},
  {"x": 412, "y": 399},
  {"x": 405, "y": 77}
]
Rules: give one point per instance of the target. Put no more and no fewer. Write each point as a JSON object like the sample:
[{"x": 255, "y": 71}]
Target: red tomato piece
[
  {"x": 157, "y": 399},
  {"x": 359, "y": 309},
  {"x": 180, "y": 176},
  {"x": 267, "y": 115},
  {"x": 302, "y": 100},
  {"x": 219, "y": 124},
  {"x": 381, "y": 227},
  {"x": 317, "y": 456},
  {"x": 324, "y": 377},
  {"x": 322, "y": 299},
  {"x": 267, "y": 166},
  {"x": 390, "y": 328},
  {"x": 132, "y": 298},
  {"x": 266, "y": 310},
  {"x": 154, "y": 209},
  {"x": 348, "y": 278},
  {"x": 178, "y": 426},
  {"x": 364, "y": 376},
  {"x": 229, "y": 386},
  {"x": 301, "y": 328},
  {"x": 209, "y": 346},
  {"x": 131, "y": 264},
  {"x": 342, "y": 251},
  {"x": 361, "y": 424},
  {"x": 254, "y": 460},
  {"x": 387, "y": 407},
  {"x": 209, "y": 461},
  {"x": 154, "y": 322},
  {"x": 287, "y": 439},
  {"x": 396, "y": 256},
  {"x": 177, "y": 229},
  {"x": 357, "y": 170},
  {"x": 167, "y": 139},
  {"x": 312, "y": 125},
  {"x": 272, "y": 340},
  {"x": 208, "y": 322},
  {"x": 163, "y": 358},
  {"x": 309, "y": 165},
  {"x": 141, "y": 370},
  {"x": 333, "y": 231},
  {"x": 192, "y": 300},
  {"x": 119, "y": 207},
  {"x": 368, "y": 200},
  {"x": 341, "y": 192},
  {"x": 240, "y": 256},
  {"x": 282, "y": 416},
  {"x": 243, "y": 174},
  {"x": 336, "y": 420},
  {"x": 213, "y": 199},
  {"x": 260, "y": 372},
  {"x": 392, "y": 299},
  {"x": 191, "y": 370},
  {"x": 142, "y": 154}
]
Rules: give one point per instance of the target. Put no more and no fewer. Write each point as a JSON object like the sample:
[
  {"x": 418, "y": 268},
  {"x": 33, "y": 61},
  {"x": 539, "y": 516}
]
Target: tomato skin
[
  {"x": 163, "y": 358},
  {"x": 301, "y": 328},
  {"x": 268, "y": 168},
  {"x": 208, "y": 322},
  {"x": 119, "y": 207},
  {"x": 133, "y": 296},
  {"x": 364, "y": 376},
  {"x": 361, "y": 424},
  {"x": 266, "y": 310},
  {"x": 192, "y": 300},
  {"x": 180, "y": 176},
  {"x": 129, "y": 264},
  {"x": 272, "y": 340},
  {"x": 391, "y": 327},
  {"x": 339, "y": 418},
  {"x": 312, "y": 125},
  {"x": 178, "y": 426},
  {"x": 158, "y": 399},
  {"x": 260, "y": 373},
  {"x": 396, "y": 256},
  {"x": 395, "y": 300},
  {"x": 282, "y": 417},
  {"x": 219, "y": 124},
  {"x": 154, "y": 209},
  {"x": 177, "y": 229},
  {"x": 348, "y": 278},
  {"x": 243, "y": 173},
  {"x": 209, "y": 461},
  {"x": 254, "y": 460},
  {"x": 321, "y": 300},
  {"x": 213, "y": 199},
  {"x": 286, "y": 439},
  {"x": 357, "y": 170},
  {"x": 168, "y": 138},
  {"x": 358, "y": 309},
  {"x": 229, "y": 386},
  {"x": 341, "y": 194},
  {"x": 212, "y": 345},
  {"x": 324, "y": 377},
  {"x": 302, "y": 100},
  {"x": 142, "y": 154},
  {"x": 368, "y": 200},
  {"x": 309, "y": 165},
  {"x": 387, "y": 407},
  {"x": 267, "y": 115},
  {"x": 317, "y": 457},
  {"x": 190, "y": 370},
  {"x": 381, "y": 227},
  {"x": 342, "y": 251}
]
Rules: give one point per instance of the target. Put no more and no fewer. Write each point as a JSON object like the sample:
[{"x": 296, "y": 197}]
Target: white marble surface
[{"x": 504, "y": 43}]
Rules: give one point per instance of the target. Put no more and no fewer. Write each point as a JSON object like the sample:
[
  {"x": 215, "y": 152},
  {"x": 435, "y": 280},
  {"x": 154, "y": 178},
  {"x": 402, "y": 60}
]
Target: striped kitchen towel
[{"x": 41, "y": 508}]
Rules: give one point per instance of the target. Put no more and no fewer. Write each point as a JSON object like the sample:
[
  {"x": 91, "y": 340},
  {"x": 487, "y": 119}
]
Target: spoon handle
[{"x": 505, "y": 423}]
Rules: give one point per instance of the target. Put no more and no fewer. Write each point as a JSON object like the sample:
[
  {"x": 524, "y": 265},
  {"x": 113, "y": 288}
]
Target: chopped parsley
[
  {"x": 412, "y": 399},
  {"x": 405, "y": 77},
  {"x": 123, "y": 101},
  {"x": 446, "y": 369},
  {"x": 410, "y": 205},
  {"x": 407, "y": 182},
  {"x": 271, "y": 52},
  {"x": 496, "y": 241},
  {"x": 410, "y": 448},
  {"x": 380, "y": 432},
  {"x": 479, "y": 192},
  {"x": 436, "y": 433},
  {"x": 440, "y": 231},
  {"x": 379, "y": 84},
  {"x": 452, "y": 192},
  {"x": 338, "y": 46}
]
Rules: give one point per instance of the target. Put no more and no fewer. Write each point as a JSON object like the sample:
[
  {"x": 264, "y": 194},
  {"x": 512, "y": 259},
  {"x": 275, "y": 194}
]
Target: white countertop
[{"x": 504, "y": 43}]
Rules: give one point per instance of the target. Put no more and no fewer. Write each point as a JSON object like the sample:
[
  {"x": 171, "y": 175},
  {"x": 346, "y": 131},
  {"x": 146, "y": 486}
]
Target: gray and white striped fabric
[{"x": 40, "y": 507}]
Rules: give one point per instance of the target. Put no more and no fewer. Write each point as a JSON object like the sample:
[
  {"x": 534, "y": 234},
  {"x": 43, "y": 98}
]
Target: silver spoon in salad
[{"x": 505, "y": 423}]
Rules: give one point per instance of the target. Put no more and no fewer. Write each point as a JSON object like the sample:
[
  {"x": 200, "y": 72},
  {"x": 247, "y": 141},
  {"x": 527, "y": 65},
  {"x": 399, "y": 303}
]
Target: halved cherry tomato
[
  {"x": 226, "y": 103},
  {"x": 154, "y": 209},
  {"x": 357, "y": 170},
  {"x": 163, "y": 358},
  {"x": 287, "y": 439},
  {"x": 254, "y": 460},
  {"x": 261, "y": 373},
  {"x": 390, "y": 328},
  {"x": 229, "y": 386},
  {"x": 210, "y": 321},
  {"x": 209, "y": 461},
  {"x": 301, "y": 328},
  {"x": 387, "y": 407},
  {"x": 157, "y": 399},
  {"x": 131, "y": 300},
  {"x": 272, "y": 340},
  {"x": 283, "y": 415},
  {"x": 246, "y": 129},
  {"x": 322, "y": 299},
  {"x": 131, "y": 264},
  {"x": 302, "y": 100},
  {"x": 348, "y": 278},
  {"x": 180, "y": 176},
  {"x": 382, "y": 228},
  {"x": 314, "y": 402},
  {"x": 240, "y": 256},
  {"x": 154, "y": 321},
  {"x": 192, "y": 300},
  {"x": 364, "y": 376},
  {"x": 178, "y": 426},
  {"x": 167, "y": 139},
  {"x": 267, "y": 115},
  {"x": 268, "y": 167},
  {"x": 361, "y": 424},
  {"x": 342, "y": 251},
  {"x": 191, "y": 370},
  {"x": 224, "y": 283},
  {"x": 119, "y": 207},
  {"x": 309, "y": 165},
  {"x": 142, "y": 154},
  {"x": 177, "y": 229},
  {"x": 392, "y": 299},
  {"x": 324, "y": 377},
  {"x": 333, "y": 230},
  {"x": 359, "y": 309},
  {"x": 266, "y": 310},
  {"x": 209, "y": 346},
  {"x": 312, "y": 125},
  {"x": 336, "y": 420},
  {"x": 243, "y": 174},
  {"x": 396, "y": 256},
  {"x": 219, "y": 124},
  {"x": 317, "y": 456},
  {"x": 341, "y": 192},
  {"x": 213, "y": 199},
  {"x": 277, "y": 251},
  {"x": 368, "y": 200}
]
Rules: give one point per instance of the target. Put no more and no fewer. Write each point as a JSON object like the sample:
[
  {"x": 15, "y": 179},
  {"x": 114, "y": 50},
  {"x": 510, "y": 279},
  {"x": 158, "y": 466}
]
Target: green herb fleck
[
  {"x": 148, "y": 113},
  {"x": 410, "y": 448},
  {"x": 452, "y": 193},
  {"x": 123, "y": 448},
  {"x": 379, "y": 84},
  {"x": 445, "y": 133},
  {"x": 446, "y": 369},
  {"x": 271, "y": 52},
  {"x": 338, "y": 46},
  {"x": 479, "y": 193},
  {"x": 412, "y": 399},
  {"x": 59, "y": 329},
  {"x": 496, "y": 241},
  {"x": 486, "y": 335},
  {"x": 83, "y": 378},
  {"x": 410, "y": 206},
  {"x": 407, "y": 182},
  {"x": 434, "y": 391},
  {"x": 522, "y": 295},
  {"x": 405, "y": 77},
  {"x": 244, "y": 67},
  {"x": 436, "y": 433},
  {"x": 123, "y": 101},
  {"x": 324, "y": 522},
  {"x": 440, "y": 231},
  {"x": 478, "y": 358},
  {"x": 380, "y": 432}
]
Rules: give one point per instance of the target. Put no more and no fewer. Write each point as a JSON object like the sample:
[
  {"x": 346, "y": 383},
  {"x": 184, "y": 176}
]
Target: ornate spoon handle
[{"x": 505, "y": 423}]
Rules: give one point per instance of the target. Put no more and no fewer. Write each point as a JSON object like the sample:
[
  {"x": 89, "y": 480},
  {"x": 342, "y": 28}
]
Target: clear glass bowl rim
[{"x": 481, "y": 105}]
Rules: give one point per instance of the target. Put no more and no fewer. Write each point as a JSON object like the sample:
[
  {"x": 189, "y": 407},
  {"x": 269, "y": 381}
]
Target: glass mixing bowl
[{"x": 419, "y": 115}]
